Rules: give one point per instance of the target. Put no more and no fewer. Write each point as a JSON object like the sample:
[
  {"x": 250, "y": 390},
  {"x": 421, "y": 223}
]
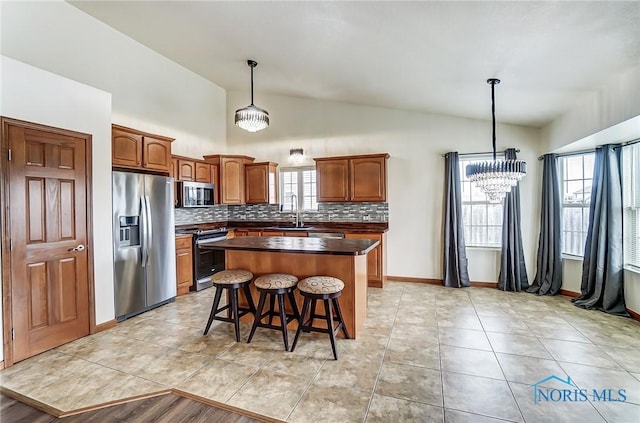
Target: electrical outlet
[{"x": 366, "y": 218}]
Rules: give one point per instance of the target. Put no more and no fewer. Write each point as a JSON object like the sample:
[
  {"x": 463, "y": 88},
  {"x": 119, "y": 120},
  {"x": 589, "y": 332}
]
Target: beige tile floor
[{"x": 426, "y": 354}]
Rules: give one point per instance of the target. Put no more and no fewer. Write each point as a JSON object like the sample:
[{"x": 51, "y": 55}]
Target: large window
[
  {"x": 301, "y": 182},
  {"x": 631, "y": 204},
  {"x": 482, "y": 219},
  {"x": 576, "y": 174}
]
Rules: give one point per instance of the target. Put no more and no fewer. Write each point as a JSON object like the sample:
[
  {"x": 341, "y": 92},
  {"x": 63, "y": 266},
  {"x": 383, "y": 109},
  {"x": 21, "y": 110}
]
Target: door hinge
[
  {"x": 9, "y": 154},
  {"x": 13, "y": 334},
  {"x": 10, "y": 245}
]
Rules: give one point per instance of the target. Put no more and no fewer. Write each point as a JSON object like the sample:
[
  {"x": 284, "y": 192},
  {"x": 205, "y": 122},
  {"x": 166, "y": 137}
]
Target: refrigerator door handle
[
  {"x": 148, "y": 229},
  {"x": 143, "y": 230}
]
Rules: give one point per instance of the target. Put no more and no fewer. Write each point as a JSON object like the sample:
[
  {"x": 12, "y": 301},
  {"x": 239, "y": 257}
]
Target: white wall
[
  {"x": 86, "y": 75},
  {"x": 31, "y": 94},
  {"x": 150, "y": 92},
  {"x": 615, "y": 102},
  {"x": 415, "y": 142},
  {"x": 610, "y": 115}
]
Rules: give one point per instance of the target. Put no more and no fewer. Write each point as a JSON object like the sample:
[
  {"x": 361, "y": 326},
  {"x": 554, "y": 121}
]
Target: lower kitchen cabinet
[
  {"x": 184, "y": 264},
  {"x": 375, "y": 258}
]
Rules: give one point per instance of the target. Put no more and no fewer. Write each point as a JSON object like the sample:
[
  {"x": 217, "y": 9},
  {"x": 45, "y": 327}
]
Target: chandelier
[
  {"x": 496, "y": 177},
  {"x": 252, "y": 118}
]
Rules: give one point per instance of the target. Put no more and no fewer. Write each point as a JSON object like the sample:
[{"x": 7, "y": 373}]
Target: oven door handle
[{"x": 210, "y": 240}]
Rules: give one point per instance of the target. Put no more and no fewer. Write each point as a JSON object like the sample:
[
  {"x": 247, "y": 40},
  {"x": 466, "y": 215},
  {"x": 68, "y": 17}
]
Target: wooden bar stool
[
  {"x": 327, "y": 289},
  {"x": 276, "y": 286},
  {"x": 232, "y": 280}
]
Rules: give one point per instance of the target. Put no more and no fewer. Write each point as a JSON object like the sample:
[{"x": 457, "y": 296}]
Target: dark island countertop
[{"x": 345, "y": 247}]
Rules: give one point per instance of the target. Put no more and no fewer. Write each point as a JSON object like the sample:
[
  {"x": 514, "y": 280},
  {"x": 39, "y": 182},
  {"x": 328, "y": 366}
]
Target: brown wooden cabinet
[
  {"x": 203, "y": 172},
  {"x": 375, "y": 258},
  {"x": 231, "y": 177},
  {"x": 248, "y": 232},
  {"x": 332, "y": 179},
  {"x": 184, "y": 264},
  {"x": 135, "y": 149},
  {"x": 186, "y": 170},
  {"x": 261, "y": 183},
  {"x": 215, "y": 181},
  {"x": 368, "y": 178},
  {"x": 352, "y": 178}
]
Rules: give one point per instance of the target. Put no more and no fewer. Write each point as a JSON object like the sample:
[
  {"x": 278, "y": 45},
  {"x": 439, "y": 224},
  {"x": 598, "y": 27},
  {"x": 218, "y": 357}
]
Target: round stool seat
[
  {"x": 275, "y": 281},
  {"x": 320, "y": 285},
  {"x": 231, "y": 276}
]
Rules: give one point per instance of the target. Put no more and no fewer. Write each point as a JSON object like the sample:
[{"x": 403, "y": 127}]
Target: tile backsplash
[
  {"x": 327, "y": 212},
  {"x": 185, "y": 216}
]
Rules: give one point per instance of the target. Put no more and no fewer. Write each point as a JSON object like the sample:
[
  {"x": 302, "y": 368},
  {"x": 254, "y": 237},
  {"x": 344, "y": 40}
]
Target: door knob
[{"x": 78, "y": 248}]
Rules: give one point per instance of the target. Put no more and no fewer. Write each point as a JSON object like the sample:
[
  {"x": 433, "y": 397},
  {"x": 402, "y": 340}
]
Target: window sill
[
  {"x": 632, "y": 269},
  {"x": 572, "y": 257},
  {"x": 474, "y": 247}
]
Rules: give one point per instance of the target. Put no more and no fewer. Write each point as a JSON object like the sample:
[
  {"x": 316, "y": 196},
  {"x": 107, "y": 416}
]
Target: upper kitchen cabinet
[
  {"x": 203, "y": 172},
  {"x": 332, "y": 179},
  {"x": 261, "y": 183},
  {"x": 352, "y": 178},
  {"x": 135, "y": 149},
  {"x": 186, "y": 169},
  {"x": 231, "y": 176}
]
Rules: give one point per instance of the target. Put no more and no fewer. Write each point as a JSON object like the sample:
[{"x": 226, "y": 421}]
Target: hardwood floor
[{"x": 163, "y": 408}]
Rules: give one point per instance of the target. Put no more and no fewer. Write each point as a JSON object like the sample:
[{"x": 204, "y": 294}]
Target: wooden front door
[{"x": 47, "y": 228}]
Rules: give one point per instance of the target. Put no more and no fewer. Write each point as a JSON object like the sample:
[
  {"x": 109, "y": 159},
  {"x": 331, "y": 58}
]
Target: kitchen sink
[{"x": 291, "y": 227}]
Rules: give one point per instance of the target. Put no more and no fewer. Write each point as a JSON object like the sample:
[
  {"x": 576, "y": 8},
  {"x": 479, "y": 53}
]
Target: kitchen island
[{"x": 345, "y": 259}]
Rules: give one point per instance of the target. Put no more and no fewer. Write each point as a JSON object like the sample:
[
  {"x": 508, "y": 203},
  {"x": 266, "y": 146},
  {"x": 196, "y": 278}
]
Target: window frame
[
  {"x": 583, "y": 206},
  {"x": 299, "y": 171},
  {"x": 631, "y": 206},
  {"x": 481, "y": 201}
]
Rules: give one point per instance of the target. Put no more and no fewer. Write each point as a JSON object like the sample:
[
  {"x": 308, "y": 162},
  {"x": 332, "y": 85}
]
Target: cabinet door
[
  {"x": 374, "y": 258},
  {"x": 186, "y": 170},
  {"x": 332, "y": 178},
  {"x": 203, "y": 172},
  {"x": 174, "y": 168},
  {"x": 215, "y": 181},
  {"x": 232, "y": 181},
  {"x": 156, "y": 154},
  {"x": 257, "y": 184},
  {"x": 174, "y": 175},
  {"x": 184, "y": 265},
  {"x": 126, "y": 149},
  {"x": 299, "y": 234},
  {"x": 368, "y": 179}
]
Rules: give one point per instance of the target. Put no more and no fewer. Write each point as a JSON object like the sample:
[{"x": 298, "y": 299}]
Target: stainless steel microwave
[{"x": 196, "y": 194}]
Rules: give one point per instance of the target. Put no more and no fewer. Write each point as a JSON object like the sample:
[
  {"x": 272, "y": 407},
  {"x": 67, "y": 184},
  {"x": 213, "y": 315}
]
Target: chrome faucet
[{"x": 294, "y": 202}]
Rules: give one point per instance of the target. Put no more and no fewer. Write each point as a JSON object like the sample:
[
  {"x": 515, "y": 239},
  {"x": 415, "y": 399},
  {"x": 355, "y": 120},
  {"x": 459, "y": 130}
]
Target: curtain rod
[
  {"x": 591, "y": 150},
  {"x": 481, "y": 153}
]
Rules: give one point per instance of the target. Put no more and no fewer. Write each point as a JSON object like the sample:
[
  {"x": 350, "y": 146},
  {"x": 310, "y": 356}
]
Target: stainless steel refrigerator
[{"x": 143, "y": 242}]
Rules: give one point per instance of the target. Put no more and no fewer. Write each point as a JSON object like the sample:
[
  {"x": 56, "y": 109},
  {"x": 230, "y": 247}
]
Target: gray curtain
[
  {"x": 602, "y": 274},
  {"x": 548, "y": 279},
  {"x": 455, "y": 256},
  {"x": 513, "y": 272}
]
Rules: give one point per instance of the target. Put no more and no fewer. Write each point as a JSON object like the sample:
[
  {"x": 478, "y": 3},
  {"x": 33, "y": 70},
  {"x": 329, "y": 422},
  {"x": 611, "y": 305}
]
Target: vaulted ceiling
[{"x": 432, "y": 56}]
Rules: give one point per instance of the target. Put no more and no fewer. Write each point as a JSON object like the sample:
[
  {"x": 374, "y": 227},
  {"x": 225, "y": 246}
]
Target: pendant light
[
  {"x": 252, "y": 118},
  {"x": 496, "y": 177}
]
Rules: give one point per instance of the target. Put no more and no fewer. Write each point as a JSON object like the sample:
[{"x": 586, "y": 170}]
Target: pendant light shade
[
  {"x": 252, "y": 118},
  {"x": 496, "y": 177}
]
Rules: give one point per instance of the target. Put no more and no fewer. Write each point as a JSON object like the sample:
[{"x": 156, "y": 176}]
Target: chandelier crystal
[
  {"x": 496, "y": 177},
  {"x": 252, "y": 118}
]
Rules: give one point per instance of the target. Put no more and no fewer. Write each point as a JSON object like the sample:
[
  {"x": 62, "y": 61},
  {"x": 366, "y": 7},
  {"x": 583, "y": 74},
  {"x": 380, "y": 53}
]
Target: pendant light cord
[
  {"x": 252, "y": 88},
  {"x": 493, "y": 114}
]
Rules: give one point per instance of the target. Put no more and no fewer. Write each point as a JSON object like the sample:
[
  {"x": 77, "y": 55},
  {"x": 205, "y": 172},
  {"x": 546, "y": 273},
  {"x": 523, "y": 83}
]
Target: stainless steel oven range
[{"x": 206, "y": 262}]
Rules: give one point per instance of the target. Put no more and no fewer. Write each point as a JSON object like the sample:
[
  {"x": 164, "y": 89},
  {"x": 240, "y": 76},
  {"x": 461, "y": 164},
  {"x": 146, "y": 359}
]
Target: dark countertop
[
  {"x": 373, "y": 227},
  {"x": 281, "y": 244}
]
